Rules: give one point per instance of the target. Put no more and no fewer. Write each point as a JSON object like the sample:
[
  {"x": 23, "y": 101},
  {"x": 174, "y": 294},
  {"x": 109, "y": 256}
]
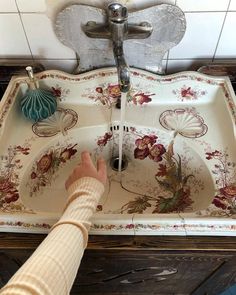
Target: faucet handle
[{"x": 117, "y": 12}]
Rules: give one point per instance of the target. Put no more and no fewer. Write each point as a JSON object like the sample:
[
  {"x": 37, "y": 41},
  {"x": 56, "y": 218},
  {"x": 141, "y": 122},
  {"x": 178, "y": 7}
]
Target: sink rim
[{"x": 14, "y": 85}]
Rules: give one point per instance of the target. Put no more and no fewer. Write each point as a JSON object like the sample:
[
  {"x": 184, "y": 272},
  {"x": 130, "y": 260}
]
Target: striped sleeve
[{"x": 53, "y": 266}]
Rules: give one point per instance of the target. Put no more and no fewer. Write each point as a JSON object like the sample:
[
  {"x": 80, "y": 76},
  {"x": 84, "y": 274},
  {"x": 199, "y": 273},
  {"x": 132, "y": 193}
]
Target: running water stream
[
  {"x": 121, "y": 131},
  {"x": 121, "y": 128}
]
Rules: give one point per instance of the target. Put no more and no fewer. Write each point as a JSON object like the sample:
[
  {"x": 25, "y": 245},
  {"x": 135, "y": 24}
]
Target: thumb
[{"x": 102, "y": 169}]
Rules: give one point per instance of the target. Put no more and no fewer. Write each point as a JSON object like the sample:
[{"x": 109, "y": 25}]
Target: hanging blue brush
[{"x": 38, "y": 103}]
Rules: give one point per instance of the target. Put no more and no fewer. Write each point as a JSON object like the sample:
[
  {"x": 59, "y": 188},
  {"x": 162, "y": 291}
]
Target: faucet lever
[{"x": 117, "y": 13}]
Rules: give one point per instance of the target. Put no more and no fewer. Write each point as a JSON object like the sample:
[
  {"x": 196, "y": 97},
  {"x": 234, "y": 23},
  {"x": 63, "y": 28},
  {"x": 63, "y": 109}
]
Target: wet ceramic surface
[{"x": 178, "y": 140}]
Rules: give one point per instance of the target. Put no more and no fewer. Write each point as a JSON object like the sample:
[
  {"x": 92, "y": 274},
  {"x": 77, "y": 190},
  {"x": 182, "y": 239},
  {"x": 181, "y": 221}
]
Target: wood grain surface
[
  {"x": 141, "y": 265},
  {"x": 31, "y": 241}
]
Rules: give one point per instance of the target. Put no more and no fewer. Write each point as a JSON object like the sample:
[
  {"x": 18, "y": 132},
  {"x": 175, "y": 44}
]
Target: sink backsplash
[{"x": 30, "y": 25}]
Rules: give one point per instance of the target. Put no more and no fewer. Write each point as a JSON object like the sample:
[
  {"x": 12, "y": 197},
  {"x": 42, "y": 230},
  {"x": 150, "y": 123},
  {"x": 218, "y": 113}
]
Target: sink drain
[{"x": 115, "y": 163}]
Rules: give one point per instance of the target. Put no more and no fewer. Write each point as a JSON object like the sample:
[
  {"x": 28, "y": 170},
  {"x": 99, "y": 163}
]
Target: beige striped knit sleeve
[{"x": 53, "y": 266}]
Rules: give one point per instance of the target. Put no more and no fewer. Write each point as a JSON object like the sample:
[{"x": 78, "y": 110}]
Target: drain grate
[
  {"x": 117, "y": 128},
  {"x": 114, "y": 163}
]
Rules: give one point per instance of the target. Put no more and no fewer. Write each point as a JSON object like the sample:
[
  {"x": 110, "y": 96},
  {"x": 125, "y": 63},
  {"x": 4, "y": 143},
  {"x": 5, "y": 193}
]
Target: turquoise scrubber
[{"x": 38, "y": 103}]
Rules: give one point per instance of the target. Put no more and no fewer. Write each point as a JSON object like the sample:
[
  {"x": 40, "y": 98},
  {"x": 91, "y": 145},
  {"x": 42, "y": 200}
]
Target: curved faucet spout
[
  {"x": 118, "y": 30},
  {"x": 118, "y": 23},
  {"x": 122, "y": 68}
]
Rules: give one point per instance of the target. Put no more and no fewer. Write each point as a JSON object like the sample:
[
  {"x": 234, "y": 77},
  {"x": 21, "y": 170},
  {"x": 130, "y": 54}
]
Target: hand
[{"x": 87, "y": 169}]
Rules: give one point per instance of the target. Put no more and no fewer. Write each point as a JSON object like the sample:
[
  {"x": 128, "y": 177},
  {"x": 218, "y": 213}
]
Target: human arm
[{"x": 53, "y": 266}]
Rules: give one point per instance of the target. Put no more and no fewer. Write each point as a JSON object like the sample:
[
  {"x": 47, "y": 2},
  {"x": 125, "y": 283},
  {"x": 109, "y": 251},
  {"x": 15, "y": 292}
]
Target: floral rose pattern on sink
[
  {"x": 147, "y": 146},
  {"x": 187, "y": 93},
  {"x": 103, "y": 140},
  {"x": 169, "y": 177},
  {"x": 108, "y": 94},
  {"x": 10, "y": 167},
  {"x": 43, "y": 172},
  {"x": 59, "y": 92},
  {"x": 225, "y": 179},
  {"x": 139, "y": 97},
  {"x": 174, "y": 183}
]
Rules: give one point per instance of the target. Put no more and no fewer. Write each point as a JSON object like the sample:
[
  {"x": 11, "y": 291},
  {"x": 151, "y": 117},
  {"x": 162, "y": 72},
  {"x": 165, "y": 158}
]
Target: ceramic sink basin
[{"x": 178, "y": 143}]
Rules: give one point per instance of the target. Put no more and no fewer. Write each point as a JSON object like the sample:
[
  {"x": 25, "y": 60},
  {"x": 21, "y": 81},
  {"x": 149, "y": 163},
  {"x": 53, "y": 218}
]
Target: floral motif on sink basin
[
  {"x": 44, "y": 170},
  {"x": 224, "y": 202},
  {"x": 10, "y": 166},
  {"x": 187, "y": 93},
  {"x": 108, "y": 94},
  {"x": 103, "y": 140},
  {"x": 173, "y": 189},
  {"x": 146, "y": 146},
  {"x": 171, "y": 179},
  {"x": 60, "y": 93},
  {"x": 180, "y": 177}
]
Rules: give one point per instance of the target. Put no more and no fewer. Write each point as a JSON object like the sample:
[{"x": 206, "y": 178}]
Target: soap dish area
[{"x": 179, "y": 143}]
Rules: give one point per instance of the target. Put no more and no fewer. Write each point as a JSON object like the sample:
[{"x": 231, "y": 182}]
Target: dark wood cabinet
[
  {"x": 8, "y": 266},
  {"x": 152, "y": 273},
  {"x": 139, "y": 265}
]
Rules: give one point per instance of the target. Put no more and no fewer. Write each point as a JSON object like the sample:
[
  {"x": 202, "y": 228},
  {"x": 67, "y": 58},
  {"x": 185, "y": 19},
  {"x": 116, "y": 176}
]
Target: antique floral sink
[{"x": 178, "y": 145}]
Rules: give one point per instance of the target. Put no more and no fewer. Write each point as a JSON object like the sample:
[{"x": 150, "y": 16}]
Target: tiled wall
[{"x": 26, "y": 33}]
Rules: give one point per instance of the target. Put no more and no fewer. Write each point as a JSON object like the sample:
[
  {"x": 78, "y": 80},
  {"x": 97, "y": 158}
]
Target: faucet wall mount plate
[{"x": 168, "y": 23}]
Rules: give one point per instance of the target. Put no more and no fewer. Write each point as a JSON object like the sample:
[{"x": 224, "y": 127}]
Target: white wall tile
[
  {"x": 8, "y": 6},
  {"x": 203, "y": 5},
  {"x": 67, "y": 66},
  {"x": 54, "y": 6},
  {"x": 31, "y": 6},
  {"x": 232, "y": 5},
  {"x": 175, "y": 66},
  {"x": 42, "y": 39},
  {"x": 13, "y": 40},
  {"x": 201, "y": 37},
  {"x": 227, "y": 45}
]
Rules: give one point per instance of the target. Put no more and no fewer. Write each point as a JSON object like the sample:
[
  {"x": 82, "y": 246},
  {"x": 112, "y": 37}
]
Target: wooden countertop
[{"x": 31, "y": 241}]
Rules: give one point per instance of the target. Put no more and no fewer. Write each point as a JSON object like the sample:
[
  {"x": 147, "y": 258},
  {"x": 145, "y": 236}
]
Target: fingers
[
  {"x": 67, "y": 183},
  {"x": 102, "y": 169},
  {"x": 87, "y": 169},
  {"x": 101, "y": 165},
  {"x": 85, "y": 158}
]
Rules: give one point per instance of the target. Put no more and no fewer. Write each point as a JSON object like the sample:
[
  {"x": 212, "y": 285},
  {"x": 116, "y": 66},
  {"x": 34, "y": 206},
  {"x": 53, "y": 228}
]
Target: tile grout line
[
  {"x": 217, "y": 44},
  {"x": 134, "y": 224},
  {"x": 27, "y": 40},
  {"x": 184, "y": 223},
  {"x": 167, "y": 59}
]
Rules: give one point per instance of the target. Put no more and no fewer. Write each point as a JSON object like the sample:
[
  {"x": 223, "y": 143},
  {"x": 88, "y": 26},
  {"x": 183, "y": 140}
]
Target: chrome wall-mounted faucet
[{"x": 118, "y": 29}]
